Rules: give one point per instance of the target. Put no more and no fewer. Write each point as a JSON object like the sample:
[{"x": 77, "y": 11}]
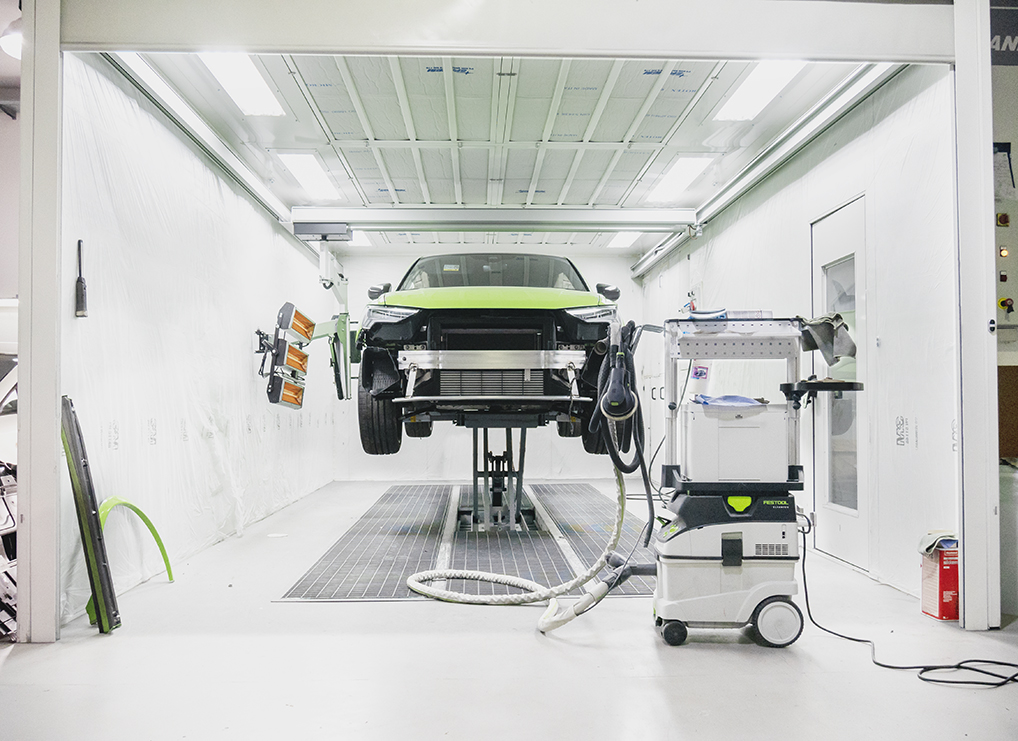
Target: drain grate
[
  {"x": 397, "y": 537},
  {"x": 527, "y": 554},
  {"x": 585, "y": 517},
  {"x": 401, "y": 535}
]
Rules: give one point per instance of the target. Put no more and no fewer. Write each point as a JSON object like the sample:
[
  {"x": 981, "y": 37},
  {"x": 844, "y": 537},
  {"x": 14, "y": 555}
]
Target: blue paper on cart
[{"x": 726, "y": 401}]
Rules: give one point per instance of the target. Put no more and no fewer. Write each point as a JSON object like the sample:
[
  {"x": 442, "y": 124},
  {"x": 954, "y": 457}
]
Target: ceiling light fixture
[
  {"x": 243, "y": 82},
  {"x": 680, "y": 176},
  {"x": 11, "y": 39},
  {"x": 623, "y": 240},
  {"x": 760, "y": 87},
  {"x": 311, "y": 175}
]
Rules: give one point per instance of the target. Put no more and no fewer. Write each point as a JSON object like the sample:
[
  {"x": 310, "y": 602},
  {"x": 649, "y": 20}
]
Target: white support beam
[
  {"x": 450, "y": 108},
  {"x": 517, "y": 144},
  {"x": 39, "y": 326},
  {"x": 408, "y": 122},
  {"x": 549, "y": 125},
  {"x": 302, "y": 85},
  {"x": 503, "y": 104},
  {"x": 667, "y": 138},
  {"x": 362, "y": 116},
  {"x": 506, "y": 219},
  {"x": 648, "y": 101},
  {"x": 635, "y": 29},
  {"x": 595, "y": 117},
  {"x": 980, "y": 498}
]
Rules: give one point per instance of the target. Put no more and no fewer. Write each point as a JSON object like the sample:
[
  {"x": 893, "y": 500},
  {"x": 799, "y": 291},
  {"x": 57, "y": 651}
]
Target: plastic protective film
[{"x": 181, "y": 268}]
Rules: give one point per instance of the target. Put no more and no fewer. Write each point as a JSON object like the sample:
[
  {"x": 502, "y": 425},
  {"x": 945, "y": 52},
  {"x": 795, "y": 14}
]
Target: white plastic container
[{"x": 735, "y": 443}]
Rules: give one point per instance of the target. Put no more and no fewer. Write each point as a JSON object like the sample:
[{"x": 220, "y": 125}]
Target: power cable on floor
[{"x": 975, "y": 666}]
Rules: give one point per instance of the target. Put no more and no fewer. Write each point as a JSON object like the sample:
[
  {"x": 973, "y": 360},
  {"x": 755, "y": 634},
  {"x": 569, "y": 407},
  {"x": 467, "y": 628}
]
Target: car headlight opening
[
  {"x": 606, "y": 314},
  {"x": 386, "y": 315}
]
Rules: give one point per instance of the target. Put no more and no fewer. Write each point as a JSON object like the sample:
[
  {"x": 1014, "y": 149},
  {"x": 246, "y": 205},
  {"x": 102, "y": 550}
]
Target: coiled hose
[{"x": 553, "y": 617}]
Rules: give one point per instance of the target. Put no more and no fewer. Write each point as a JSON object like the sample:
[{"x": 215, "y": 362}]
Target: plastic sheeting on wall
[
  {"x": 181, "y": 268},
  {"x": 897, "y": 149}
]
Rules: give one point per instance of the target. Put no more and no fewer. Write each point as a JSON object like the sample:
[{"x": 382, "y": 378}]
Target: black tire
[
  {"x": 674, "y": 632},
  {"x": 418, "y": 429},
  {"x": 381, "y": 429},
  {"x": 572, "y": 428},
  {"x": 779, "y": 630}
]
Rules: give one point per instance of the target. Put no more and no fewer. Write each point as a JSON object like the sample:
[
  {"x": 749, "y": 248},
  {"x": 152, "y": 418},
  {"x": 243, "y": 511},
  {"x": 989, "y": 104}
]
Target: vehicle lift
[
  {"x": 727, "y": 558},
  {"x": 499, "y": 502}
]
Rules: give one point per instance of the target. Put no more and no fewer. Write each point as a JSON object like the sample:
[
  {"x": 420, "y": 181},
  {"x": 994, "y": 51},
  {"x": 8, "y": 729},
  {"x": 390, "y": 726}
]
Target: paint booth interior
[{"x": 184, "y": 261}]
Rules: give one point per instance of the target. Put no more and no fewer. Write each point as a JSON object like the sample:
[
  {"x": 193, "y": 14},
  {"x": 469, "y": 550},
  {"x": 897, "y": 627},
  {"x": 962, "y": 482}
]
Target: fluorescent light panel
[
  {"x": 243, "y": 82},
  {"x": 680, "y": 176},
  {"x": 140, "y": 71},
  {"x": 311, "y": 175},
  {"x": 11, "y": 39},
  {"x": 622, "y": 240},
  {"x": 760, "y": 87}
]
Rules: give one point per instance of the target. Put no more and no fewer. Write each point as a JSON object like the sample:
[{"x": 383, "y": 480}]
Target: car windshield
[{"x": 529, "y": 271}]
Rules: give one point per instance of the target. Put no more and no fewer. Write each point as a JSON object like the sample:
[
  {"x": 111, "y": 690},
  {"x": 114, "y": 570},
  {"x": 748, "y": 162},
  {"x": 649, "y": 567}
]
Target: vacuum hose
[
  {"x": 618, "y": 415},
  {"x": 552, "y": 617},
  {"x": 619, "y": 418}
]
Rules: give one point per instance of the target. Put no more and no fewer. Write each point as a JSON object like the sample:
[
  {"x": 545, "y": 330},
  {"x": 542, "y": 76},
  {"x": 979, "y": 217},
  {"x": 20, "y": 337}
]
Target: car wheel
[
  {"x": 381, "y": 429},
  {"x": 571, "y": 428},
  {"x": 418, "y": 429}
]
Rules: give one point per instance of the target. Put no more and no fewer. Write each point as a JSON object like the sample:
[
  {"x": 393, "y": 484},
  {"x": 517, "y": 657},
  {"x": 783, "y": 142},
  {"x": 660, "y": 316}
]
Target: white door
[{"x": 842, "y": 500}]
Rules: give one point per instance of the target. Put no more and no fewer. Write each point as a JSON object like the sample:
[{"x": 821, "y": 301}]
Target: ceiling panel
[
  {"x": 504, "y": 132},
  {"x": 425, "y": 88}
]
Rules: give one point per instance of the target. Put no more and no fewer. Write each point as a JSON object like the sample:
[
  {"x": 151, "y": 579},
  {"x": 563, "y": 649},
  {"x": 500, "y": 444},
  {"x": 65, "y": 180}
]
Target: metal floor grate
[
  {"x": 401, "y": 535},
  {"x": 528, "y": 554},
  {"x": 397, "y": 537},
  {"x": 585, "y": 517}
]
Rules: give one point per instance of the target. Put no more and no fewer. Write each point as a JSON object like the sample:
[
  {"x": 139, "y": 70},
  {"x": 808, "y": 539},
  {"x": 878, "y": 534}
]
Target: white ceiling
[{"x": 505, "y": 133}]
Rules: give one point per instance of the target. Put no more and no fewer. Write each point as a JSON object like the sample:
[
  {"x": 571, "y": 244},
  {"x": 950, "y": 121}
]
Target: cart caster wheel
[
  {"x": 777, "y": 622},
  {"x": 674, "y": 632}
]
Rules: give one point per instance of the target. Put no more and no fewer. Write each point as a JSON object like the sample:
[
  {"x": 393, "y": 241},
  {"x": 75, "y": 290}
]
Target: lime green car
[{"x": 482, "y": 340}]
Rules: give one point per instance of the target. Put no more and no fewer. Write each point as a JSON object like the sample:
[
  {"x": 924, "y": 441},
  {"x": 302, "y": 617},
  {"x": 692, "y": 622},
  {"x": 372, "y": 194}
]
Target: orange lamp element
[
  {"x": 1003, "y": 251},
  {"x": 287, "y": 393},
  {"x": 291, "y": 320},
  {"x": 290, "y": 357}
]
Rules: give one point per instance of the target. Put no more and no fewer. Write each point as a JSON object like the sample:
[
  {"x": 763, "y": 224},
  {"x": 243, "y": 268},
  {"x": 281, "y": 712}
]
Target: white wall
[
  {"x": 181, "y": 268},
  {"x": 10, "y": 179},
  {"x": 897, "y": 149},
  {"x": 446, "y": 455}
]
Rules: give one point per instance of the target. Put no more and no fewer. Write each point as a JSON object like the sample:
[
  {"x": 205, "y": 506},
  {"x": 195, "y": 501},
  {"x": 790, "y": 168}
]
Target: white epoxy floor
[{"x": 213, "y": 657}]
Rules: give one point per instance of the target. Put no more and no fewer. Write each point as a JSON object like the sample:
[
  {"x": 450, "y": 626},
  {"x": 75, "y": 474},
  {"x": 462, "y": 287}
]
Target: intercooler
[{"x": 476, "y": 383}]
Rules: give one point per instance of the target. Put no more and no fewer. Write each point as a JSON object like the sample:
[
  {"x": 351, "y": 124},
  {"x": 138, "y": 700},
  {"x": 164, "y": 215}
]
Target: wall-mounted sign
[{"x": 1004, "y": 32}]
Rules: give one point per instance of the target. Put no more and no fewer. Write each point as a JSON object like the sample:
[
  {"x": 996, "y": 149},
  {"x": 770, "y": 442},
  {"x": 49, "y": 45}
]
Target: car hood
[{"x": 491, "y": 297}]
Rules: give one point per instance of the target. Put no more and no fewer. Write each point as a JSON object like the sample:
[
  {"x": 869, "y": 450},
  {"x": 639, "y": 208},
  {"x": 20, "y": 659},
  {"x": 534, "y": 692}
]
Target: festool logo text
[{"x": 778, "y": 502}]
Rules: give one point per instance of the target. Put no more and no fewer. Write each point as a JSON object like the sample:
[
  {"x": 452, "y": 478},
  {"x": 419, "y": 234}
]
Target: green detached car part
[{"x": 482, "y": 340}]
